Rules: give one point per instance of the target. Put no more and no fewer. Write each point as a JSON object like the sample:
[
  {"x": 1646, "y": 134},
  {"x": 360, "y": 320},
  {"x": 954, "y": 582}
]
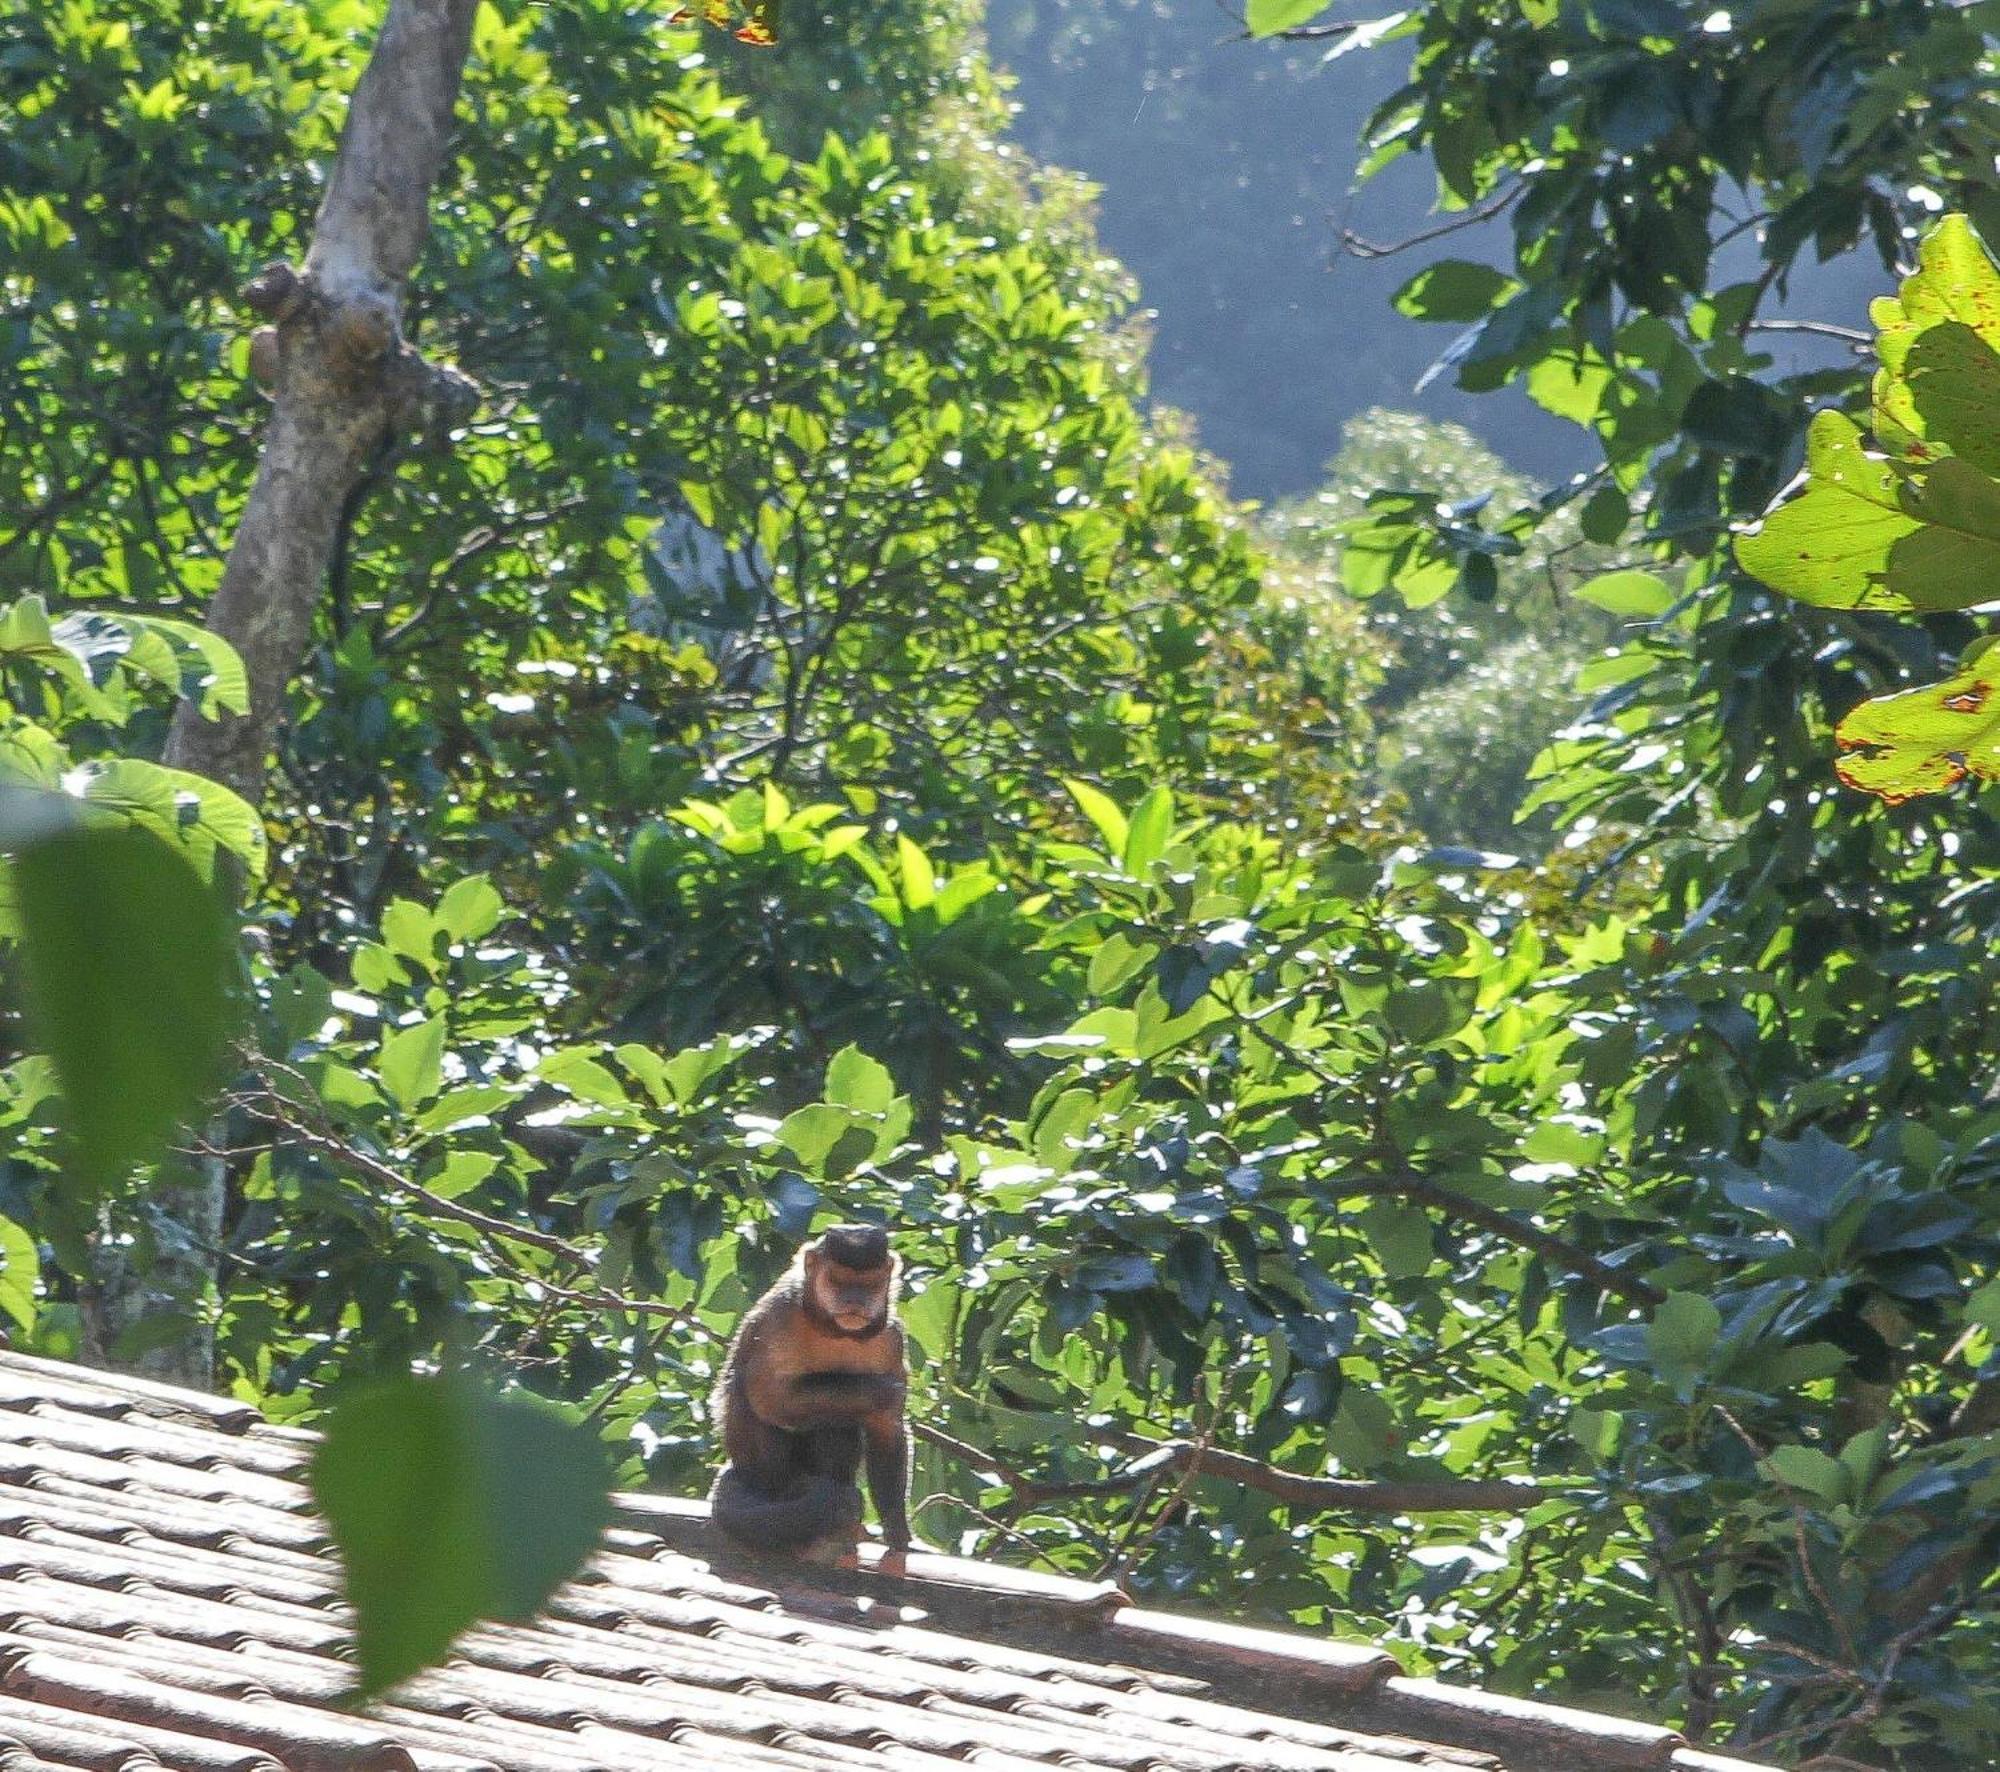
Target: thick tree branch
[{"x": 1161, "y": 1459}]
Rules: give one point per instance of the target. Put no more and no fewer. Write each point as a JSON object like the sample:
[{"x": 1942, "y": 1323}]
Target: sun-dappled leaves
[
  {"x": 1924, "y": 741},
  {"x": 816, "y": 749},
  {"x": 1916, "y": 527}
]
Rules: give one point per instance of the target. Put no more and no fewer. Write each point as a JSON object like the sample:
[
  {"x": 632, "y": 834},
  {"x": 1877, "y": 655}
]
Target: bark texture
[{"x": 341, "y": 379}]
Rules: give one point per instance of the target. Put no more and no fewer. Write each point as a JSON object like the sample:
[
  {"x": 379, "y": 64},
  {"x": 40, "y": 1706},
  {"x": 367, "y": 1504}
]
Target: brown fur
[{"x": 804, "y": 1400}]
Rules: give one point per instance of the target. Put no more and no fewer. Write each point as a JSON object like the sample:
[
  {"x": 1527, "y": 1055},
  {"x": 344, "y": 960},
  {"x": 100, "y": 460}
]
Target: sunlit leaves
[
  {"x": 1453, "y": 289},
  {"x": 1917, "y": 529},
  {"x": 1925, "y": 741},
  {"x": 750, "y": 22},
  {"x": 1265, "y": 18},
  {"x": 1864, "y": 535},
  {"x": 20, "y": 1271},
  {"x": 1938, "y": 340},
  {"x": 1631, "y": 595}
]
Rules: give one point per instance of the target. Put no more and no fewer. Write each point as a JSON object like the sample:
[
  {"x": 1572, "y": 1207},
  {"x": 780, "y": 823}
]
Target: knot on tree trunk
[
  {"x": 276, "y": 292},
  {"x": 349, "y": 349}
]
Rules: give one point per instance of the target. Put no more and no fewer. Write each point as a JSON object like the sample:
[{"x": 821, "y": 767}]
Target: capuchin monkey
[{"x": 814, "y": 1384}]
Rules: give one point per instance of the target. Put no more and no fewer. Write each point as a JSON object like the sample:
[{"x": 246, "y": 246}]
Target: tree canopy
[{"x": 811, "y": 744}]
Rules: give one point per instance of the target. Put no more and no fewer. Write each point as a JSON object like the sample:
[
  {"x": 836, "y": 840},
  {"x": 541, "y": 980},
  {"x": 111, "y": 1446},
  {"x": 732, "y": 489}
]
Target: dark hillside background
[{"x": 1227, "y": 169}]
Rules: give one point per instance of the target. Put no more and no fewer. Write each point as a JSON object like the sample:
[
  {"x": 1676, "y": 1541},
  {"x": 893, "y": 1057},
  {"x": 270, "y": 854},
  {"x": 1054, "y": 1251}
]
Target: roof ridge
[{"x": 230, "y": 1415}]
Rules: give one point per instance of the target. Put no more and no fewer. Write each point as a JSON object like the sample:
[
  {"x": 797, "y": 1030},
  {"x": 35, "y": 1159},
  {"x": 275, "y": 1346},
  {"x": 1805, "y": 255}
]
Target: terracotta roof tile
[{"x": 168, "y": 1603}]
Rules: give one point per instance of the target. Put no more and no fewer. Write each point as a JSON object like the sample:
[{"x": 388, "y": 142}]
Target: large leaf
[
  {"x": 1939, "y": 346},
  {"x": 199, "y": 815},
  {"x": 1635, "y": 595},
  {"x": 20, "y": 1269},
  {"x": 1864, "y": 535},
  {"x": 126, "y": 958},
  {"x": 450, "y": 1502},
  {"x": 1680, "y": 1338},
  {"x": 1924, "y": 741},
  {"x": 412, "y": 1062}
]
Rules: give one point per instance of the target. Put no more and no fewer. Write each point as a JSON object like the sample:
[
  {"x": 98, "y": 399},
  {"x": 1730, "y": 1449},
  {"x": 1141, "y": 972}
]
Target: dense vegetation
[{"x": 811, "y": 745}]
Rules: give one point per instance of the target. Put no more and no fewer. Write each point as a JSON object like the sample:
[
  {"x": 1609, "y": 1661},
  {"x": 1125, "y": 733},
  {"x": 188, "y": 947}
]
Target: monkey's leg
[{"x": 833, "y": 1450}]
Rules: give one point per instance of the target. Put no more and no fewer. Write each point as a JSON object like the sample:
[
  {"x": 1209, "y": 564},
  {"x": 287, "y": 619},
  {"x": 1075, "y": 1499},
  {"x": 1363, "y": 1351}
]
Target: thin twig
[{"x": 1355, "y": 246}]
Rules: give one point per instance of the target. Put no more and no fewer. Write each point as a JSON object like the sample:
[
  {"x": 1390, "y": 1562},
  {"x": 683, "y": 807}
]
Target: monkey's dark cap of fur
[{"x": 856, "y": 1245}]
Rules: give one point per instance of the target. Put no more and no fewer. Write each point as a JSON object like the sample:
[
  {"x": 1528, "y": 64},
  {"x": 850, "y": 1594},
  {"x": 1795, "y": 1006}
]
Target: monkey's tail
[{"x": 812, "y": 1509}]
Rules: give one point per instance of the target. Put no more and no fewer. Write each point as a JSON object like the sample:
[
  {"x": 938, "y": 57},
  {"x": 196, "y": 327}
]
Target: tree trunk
[{"x": 341, "y": 379}]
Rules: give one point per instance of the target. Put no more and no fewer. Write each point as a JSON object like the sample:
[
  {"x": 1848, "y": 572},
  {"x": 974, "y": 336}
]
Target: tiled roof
[{"x": 168, "y": 1604}]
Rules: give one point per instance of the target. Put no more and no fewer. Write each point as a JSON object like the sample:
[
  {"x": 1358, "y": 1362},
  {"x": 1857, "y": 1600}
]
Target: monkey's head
[{"x": 850, "y": 1277}]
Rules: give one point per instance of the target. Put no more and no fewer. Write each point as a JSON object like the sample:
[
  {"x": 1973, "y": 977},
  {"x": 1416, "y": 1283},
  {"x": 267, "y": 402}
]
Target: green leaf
[
  {"x": 1983, "y": 1307},
  {"x": 919, "y": 880},
  {"x": 1634, "y": 595},
  {"x": 126, "y": 957},
  {"x": 412, "y": 1063},
  {"x": 197, "y": 815},
  {"x": 461, "y": 1172},
  {"x": 1680, "y": 1338},
  {"x": 468, "y": 1104},
  {"x": 812, "y": 1131},
  {"x": 681, "y": 1078},
  {"x": 1597, "y": 1431},
  {"x": 1150, "y": 830},
  {"x": 20, "y": 1270},
  {"x": 1102, "y": 811},
  {"x": 1924, "y": 741},
  {"x": 1809, "y": 1469},
  {"x": 1571, "y": 384},
  {"x": 1939, "y": 347},
  {"x": 411, "y": 931},
  {"x": 1605, "y": 515},
  {"x": 1115, "y": 960},
  {"x": 1557, "y": 1141},
  {"x": 221, "y": 685},
  {"x": 1865, "y": 535},
  {"x": 1265, "y": 18},
  {"x": 579, "y": 1070},
  {"x": 1359, "y": 1433},
  {"x": 854, "y": 1080},
  {"x": 1063, "y": 1121},
  {"x": 1738, "y": 415},
  {"x": 470, "y": 908},
  {"x": 1400, "y": 1236},
  {"x": 1454, "y": 289},
  {"x": 450, "y": 1503},
  {"x": 1789, "y": 1366}
]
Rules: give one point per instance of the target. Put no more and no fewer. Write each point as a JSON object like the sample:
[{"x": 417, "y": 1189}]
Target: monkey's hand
[{"x": 845, "y": 1396}]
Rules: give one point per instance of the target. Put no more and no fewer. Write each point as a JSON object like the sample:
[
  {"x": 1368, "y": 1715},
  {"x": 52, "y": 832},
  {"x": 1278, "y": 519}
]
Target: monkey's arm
[
  {"x": 799, "y": 1400},
  {"x": 889, "y": 1474},
  {"x": 824, "y": 1397}
]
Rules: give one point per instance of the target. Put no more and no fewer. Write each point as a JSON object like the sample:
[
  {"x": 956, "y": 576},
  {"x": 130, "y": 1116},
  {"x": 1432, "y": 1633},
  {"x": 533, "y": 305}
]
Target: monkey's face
[{"x": 855, "y": 1299}]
